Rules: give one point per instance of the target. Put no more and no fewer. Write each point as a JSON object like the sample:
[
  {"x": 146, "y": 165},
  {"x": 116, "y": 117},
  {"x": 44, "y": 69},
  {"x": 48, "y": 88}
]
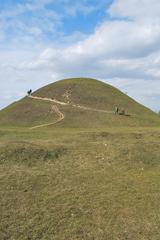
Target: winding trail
[
  {"x": 54, "y": 109},
  {"x": 60, "y": 115},
  {"x": 69, "y": 104},
  {"x": 60, "y": 118},
  {"x": 90, "y": 109},
  {"x": 48, "y": 99}
]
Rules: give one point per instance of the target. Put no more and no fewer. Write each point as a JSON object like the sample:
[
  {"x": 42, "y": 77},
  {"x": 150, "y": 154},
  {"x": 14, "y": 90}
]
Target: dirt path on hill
[
  {"x": 70, "y": 104},
  {"x": 90, "y": 109},
  {"x": 48, "y": 99},
  {"x": 60, "y": 115}
]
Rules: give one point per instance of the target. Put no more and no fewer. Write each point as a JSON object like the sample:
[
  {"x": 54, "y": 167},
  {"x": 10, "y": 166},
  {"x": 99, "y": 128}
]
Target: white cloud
[
  {"x": 79, "y": 6},
  {"x": 136, "y": 9}
]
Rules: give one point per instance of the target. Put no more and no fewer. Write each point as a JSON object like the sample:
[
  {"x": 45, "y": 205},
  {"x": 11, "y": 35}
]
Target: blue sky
[
  {"x": 50, "y": 20},
  {"x": 117, "y": 41}
]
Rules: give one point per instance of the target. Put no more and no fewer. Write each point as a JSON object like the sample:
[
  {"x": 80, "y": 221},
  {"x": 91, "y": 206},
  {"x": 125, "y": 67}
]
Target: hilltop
[{"x": 77, "y": 102}]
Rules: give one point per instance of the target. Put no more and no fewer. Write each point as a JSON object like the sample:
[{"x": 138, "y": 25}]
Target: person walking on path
[
  {"x": 116, "y": 110},
  {"x": 29, "y": 92}
]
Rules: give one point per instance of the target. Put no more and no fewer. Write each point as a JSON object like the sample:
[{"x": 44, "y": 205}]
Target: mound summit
[{"x": 77, "y": 102}]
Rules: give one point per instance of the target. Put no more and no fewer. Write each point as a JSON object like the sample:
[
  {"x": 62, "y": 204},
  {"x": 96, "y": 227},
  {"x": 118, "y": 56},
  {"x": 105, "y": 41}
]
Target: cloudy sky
[{"x": 117, "y": 41}]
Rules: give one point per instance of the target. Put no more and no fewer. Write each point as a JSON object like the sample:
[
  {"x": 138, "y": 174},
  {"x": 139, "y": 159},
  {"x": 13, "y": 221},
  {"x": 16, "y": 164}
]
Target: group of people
[{"x": 117, "y": 111}]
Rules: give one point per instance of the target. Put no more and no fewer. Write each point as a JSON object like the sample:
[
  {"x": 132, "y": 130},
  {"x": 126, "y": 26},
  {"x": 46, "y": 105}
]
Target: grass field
[
  {"x": 101, "y": 184},
  {"x": 94, "y": 175}
]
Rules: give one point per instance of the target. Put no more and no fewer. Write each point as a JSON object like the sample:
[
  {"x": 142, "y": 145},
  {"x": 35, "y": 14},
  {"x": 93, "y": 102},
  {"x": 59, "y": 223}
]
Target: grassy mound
[{"x": 90, "y": 93}]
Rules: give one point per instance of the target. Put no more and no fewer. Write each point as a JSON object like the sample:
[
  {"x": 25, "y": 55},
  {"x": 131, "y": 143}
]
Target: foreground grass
[{"x": 80, "y": 184}]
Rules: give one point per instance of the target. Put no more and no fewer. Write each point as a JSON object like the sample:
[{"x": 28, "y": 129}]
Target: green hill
[
  {"x": 90, "y": 103},
  {"x": 90, "y": 175}
]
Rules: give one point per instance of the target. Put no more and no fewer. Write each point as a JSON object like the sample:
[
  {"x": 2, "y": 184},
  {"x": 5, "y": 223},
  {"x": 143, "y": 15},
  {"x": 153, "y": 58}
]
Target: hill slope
[{"x": 83, "y": 102}]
